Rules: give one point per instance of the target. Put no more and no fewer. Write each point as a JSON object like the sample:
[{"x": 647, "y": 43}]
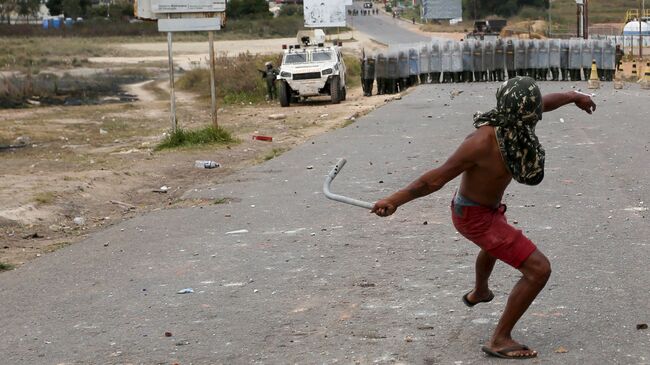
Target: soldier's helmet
[{"x": 268, "y": 65}]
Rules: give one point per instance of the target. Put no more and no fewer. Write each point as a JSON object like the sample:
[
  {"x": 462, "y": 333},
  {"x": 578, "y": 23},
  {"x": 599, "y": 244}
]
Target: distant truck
[{"x": 490, "y": 28}]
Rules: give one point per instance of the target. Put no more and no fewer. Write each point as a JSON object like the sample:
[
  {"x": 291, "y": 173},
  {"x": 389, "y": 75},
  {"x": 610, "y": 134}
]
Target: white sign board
[
  {"x": 142, "y": 9},
  {"x": 189, "y": 24},
  {"x": 187, "y": 6},
  {"x": 324, "y": 13}
]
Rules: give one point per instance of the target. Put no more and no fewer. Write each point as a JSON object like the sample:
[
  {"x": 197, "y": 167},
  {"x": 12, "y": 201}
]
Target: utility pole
[
  {"x": 549, "y": 17},
  {"x": 641, "y": 14}
]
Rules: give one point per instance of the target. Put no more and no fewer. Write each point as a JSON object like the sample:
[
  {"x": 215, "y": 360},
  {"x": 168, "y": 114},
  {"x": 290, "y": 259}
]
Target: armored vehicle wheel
[
  {"x": 284, "y": 94},
  {"x": 335, "y": 90}
]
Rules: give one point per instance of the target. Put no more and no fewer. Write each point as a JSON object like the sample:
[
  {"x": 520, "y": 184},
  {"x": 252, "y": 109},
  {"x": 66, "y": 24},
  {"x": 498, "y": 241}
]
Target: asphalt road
[
  {"x": 383, "y": 28},
  {"x": 315, "y": 281}
]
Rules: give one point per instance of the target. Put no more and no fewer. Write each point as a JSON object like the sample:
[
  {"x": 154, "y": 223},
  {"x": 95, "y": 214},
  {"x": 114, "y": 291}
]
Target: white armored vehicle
[{"x": 311, "y": 69}]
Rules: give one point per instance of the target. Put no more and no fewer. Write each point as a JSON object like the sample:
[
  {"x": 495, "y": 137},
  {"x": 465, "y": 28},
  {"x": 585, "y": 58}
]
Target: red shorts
[{"x": 489, "y": 229}]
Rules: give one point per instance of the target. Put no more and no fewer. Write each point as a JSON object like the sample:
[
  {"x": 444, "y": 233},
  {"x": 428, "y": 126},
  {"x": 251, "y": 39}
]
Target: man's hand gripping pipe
[{"x": 340, "y": 198}]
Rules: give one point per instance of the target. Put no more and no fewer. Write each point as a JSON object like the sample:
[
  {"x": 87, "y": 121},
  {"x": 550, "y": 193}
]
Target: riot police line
[{"x": 474, "y": 60}]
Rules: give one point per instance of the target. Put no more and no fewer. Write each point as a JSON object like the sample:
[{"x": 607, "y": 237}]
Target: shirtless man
[{"x": 503, "y": 147}]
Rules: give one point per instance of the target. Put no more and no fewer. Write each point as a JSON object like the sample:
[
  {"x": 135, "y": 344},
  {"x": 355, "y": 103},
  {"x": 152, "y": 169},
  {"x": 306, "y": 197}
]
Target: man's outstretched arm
[
  {"x": 462, "y": 159},
  {"x": 556, "y": 100}
]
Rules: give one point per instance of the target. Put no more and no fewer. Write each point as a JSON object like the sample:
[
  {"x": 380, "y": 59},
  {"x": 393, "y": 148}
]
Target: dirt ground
[{"x": 86, "y": 167}]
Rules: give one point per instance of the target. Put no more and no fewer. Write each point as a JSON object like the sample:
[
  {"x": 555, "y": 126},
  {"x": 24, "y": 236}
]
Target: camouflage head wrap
[{"x": 519, "y": 108}]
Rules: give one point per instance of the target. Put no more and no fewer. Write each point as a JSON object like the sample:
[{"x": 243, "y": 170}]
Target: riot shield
[
  {"x": 368, "y": 76},
  {"x": 575, "y": 59},
  {"x": 446, "y": 61},
  {"x": 510, "y": 58},
  {"x": 531, "y": 57},
  {"x": 456, "y": 57},
  {"x": 425, "y": 56},
  {"x": 597, "y": 55},
  {"x": 435, "y": 62},
  {"x": 586, "y": 55},
  {"x": 381, "y": 73},
  {"x": 542, "y": 60},
  {"x": 403, "y": 62},
  {"x": 392, "y": 73},
  {"x": 499, "y": 54},
  {"x": 520, "y": 57},
  {"x": 414, "y": 62},
  {"x": 488, "y": 56},
  {"x": 609, "y": 59},
  {"x": 554, "y": 58},
  {"x": 477, "y": 58},
  {"x": 468, "y": 64},
  {"x": 564, "y": 58}
]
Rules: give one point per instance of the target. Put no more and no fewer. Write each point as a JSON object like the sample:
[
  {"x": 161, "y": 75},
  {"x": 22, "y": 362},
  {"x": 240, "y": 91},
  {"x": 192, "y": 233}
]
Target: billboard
[
  {"x": 188, "y": 6},
  {"x": 442, "y": 9},
  {"x": 324, "y": 13}
]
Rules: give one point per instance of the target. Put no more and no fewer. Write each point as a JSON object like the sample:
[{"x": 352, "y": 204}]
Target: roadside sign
[
  {"x": 189, "y": 24},
  {"x": 319, "y": 13},
  {"x": 188, "y": 6}
]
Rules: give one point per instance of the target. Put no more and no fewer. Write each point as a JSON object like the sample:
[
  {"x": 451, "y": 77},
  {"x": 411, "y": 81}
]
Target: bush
[
  {"x": 247, "y": 8},
  {"x": 291, "y": 10},
  {"x": 237, "y": 78},
  {"x": 529, "y": 12},
  {"x": 203, "y": 136}
]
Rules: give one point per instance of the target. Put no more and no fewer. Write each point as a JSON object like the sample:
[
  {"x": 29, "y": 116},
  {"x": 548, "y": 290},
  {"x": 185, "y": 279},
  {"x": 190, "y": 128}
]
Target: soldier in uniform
[
  {"x": 619, "y": 56},
  {"x": 435, "y": 62},
  {"x": 414, "y": 67},
  {"x": 531, "y": 58},
  {"x": 597, "y": 55},
  {"x": 554, "y": 58},
  {"x": 380, "y": 73},
  {"x": 575, "y": 59},
  {"x": 446, "y": 62},
  {"x": 403, "y": 69},
  {"x": 542, "y": 60},
  {"x": 488, "y": 59},
  {"x": 392, "y": 74},
  {"x": 609, "y": 60},
  {"x": 586, "y": 58},
  {"x": 270, "y": 75},
  {"x": 478, "y": 61},
  {"x": 368, "y": 75},
  {"x": 467, "y": 61},
  {"x": 510, "y": 59},
  {"x": 520, "y": 57},
  {"x": 457, "y": 62},
  {"x": 499, "y": 60},
  {"x": 564, "y": 59},
  {"x": 425, "y": 56}
]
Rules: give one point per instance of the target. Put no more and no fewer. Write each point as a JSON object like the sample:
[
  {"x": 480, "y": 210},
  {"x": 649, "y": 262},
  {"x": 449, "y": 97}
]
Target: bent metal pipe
[{"x": 340, "y": 198}]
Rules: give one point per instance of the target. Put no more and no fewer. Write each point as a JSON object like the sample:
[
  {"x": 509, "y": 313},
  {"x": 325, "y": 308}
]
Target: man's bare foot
[
  {"x": 473, "y": 297},
  {"x": 510, "y": 350}
]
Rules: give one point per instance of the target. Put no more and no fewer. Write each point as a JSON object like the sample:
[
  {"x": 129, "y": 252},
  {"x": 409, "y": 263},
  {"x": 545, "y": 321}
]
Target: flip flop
[
  {"x": 503, "y": 354},
  {"x": 470, "y": 304}
]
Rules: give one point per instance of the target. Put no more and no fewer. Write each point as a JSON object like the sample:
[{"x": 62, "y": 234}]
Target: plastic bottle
[{"x": 206, "y": 164}]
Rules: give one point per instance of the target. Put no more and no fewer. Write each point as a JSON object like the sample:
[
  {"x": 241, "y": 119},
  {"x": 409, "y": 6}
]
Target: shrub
[{"x": 203, "y": 136}]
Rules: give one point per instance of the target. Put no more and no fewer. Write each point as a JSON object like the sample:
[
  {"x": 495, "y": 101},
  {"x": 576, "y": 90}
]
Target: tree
[
  {"x": 7, "y": 7},
  {"x": 55, "y": 6},
  {"x": 72, "y": 9},
  {"x": 27, "y": 8},
  {"x": 239, "y": 8}
]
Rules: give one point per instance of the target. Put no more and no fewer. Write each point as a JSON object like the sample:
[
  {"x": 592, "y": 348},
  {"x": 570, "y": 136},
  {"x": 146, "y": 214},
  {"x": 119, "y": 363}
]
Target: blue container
[
  {"x": 68, "y": 22},
  {"x": 46, "y": 23},
  {"x": 56, "y": 23}
]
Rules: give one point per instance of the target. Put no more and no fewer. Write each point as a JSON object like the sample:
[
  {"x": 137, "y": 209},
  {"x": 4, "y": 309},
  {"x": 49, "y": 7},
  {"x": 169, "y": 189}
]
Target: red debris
[{"x": 263, "y": 138}]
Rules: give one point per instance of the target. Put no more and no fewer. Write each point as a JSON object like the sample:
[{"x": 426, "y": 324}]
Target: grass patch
[
  {"x": 274, "y": 153},
  {"x": 46, "y": 197},
  {"x": 5, "y": 267},
  {"x": 353, "y": 67},
  {"x": 221, "y": 201},
  {"x": 198, "y": 137}
]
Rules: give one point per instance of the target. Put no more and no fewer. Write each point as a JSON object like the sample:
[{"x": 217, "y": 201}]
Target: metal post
[
  {"x": 171, "y": 82},
  {"x": 213, "y": 90},
  {"x": 641, "y": 11},
  {"x": 585, "y": 11},
  {"x": 550, "y": 2}
]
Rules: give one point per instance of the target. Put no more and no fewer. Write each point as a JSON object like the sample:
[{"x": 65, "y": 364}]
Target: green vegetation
[
  {"x": 563, "y": 13},
  {"x": 238, "y": 79},
  {"x": 353, "y": 66},
  {"x": 198, "y": 137},
  {"x": 5, "y": 267},
  {"x": 247, "y": 8}
]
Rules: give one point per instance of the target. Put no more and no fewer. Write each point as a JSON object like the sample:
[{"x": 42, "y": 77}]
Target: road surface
[
  {"x": 307, "y": 280},
  {"x": 384, "y": 29}
]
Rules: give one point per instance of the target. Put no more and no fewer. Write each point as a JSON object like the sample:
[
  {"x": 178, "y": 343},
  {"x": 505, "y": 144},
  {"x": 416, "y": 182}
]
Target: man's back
[{"x": 486, "y": 181}]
